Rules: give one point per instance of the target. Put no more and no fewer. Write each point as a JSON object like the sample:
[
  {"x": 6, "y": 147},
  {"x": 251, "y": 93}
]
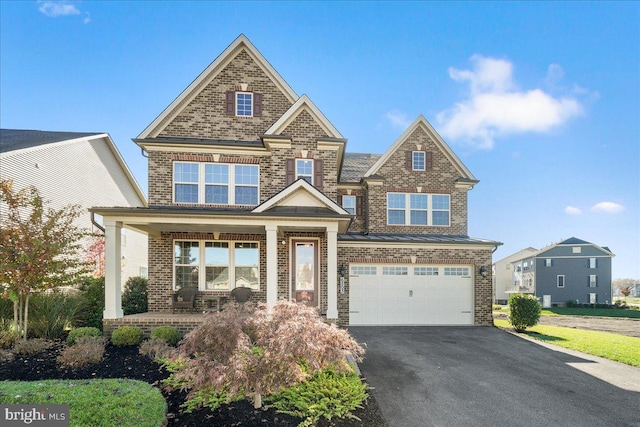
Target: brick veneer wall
[
  {"x": 147, "y": 324},
  {"x": 205, "y": 116},
  {"x": 482, "y": 287},
  {"x": 397, "y": 178}
]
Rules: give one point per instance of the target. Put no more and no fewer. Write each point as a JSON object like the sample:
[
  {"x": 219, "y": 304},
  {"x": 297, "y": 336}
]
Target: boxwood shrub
[
  {"x": 126, "y": 335},
  {"x": 168, "y": 333},
  {"x": 524, "y": 311},
  {"x": 86, "y": 331}
]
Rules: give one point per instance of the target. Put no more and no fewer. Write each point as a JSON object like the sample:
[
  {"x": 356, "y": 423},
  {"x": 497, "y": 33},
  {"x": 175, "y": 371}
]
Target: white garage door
[{"x": 410, "y": 295}]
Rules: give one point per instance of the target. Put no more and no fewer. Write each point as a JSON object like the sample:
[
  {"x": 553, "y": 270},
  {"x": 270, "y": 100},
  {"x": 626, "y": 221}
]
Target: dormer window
[
  {"x": 244, "y": 104},
  {"x": 304, "y": 170}
]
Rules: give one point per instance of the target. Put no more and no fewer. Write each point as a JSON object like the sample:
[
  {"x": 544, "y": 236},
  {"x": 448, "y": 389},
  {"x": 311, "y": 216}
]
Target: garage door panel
[{"x": 411, "y": 299}]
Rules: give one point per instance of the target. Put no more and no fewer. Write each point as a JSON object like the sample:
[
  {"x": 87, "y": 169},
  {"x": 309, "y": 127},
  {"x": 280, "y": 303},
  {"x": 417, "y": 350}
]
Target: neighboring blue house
[{"x": 572, "y": 270}]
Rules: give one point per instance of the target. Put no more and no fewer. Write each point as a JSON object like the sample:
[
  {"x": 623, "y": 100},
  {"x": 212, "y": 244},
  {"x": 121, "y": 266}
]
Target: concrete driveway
[{"x": 482, "y": 376}]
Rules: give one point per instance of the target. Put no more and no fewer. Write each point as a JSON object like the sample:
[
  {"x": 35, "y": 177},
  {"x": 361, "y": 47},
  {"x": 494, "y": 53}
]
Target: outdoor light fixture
[
  {"x": 341, "y": 271},
  {"x": 483, "y": 271}
]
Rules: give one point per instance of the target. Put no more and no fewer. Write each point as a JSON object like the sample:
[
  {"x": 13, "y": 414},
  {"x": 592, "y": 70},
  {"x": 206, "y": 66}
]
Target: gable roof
[
  {"x": 304, "y": 103},
  {"x": 239, "y": 44},
  {"x": 421, "y": 122},
  {"x": 301, "y": 193},
  {"x": 19, "y": 139},
  {"x": 355, "y": 165}
]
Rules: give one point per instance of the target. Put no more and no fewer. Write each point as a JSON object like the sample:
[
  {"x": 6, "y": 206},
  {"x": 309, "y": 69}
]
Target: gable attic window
[
  {"x": 243, "y": 103},
  {"x": 349, "y": 204},
  {"x": 308, "y": 169},
  {"x": 419, "y": 160},
  {"x": 304, "y": 170}
]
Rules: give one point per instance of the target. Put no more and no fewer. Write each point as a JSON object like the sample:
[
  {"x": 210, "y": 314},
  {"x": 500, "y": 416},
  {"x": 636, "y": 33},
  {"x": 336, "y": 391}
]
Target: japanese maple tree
[{"x": 40, "y": 248}]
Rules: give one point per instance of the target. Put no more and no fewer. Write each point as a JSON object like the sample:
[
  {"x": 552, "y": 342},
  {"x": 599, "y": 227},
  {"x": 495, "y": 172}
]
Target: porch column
[
  {"x": 272, "y": 264},
  {"x": 113, "y": 260},
  {"x": 332, "y": 271}
]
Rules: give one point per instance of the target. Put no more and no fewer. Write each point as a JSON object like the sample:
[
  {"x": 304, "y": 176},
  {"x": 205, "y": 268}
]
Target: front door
[{"x": 305, "y": 272}]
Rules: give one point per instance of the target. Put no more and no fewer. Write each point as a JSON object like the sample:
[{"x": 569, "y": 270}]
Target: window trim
[
  {"x": 202, "y": 184},
  {"x": 202, "y": 264},
  {"x": 424, "y": 160},
  {"x": 593, "y": 280},
  {"x": 564, "y": 283},
  {"x": 298, "y": 175},
  {"x": 593, "y": 263},
  {"x": 430, "y": 210},
  {"x": 347, "y": 208},
  {"x": 239, "y": 93}
]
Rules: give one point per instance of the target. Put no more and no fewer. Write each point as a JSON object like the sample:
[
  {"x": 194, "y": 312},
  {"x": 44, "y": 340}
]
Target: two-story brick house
[{"x": 250, "y": 185}]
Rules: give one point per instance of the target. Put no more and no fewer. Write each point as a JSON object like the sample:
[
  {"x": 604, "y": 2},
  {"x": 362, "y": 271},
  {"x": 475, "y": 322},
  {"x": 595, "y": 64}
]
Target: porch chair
[
  {"x": 241, "y": 294},
  {"x": 184, "y": 298}
]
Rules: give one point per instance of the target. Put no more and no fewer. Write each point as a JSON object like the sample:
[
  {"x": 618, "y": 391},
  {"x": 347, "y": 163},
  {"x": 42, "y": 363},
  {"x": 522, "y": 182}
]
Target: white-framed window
[
  {"x": 418, "y": 209},
  {"x": 576, "y": 249},
  {"x": 425, "y": 271},
  {"x": 560, "y": 280},
  {"x": 216, "y": 183},
  {"x": 547, "y": 262},
  {"x": 593, "y": 298},
  {"x": 419, "y": 160},
  {"x": 593, "y": 263},
  {"x": 349, "y": 204},
  {"x": 244, "y": 104},
  {"x": 226, "y": 264},
  {"x": 456, "y": 271},
  {"x": 144, "y": 272},
  {"x": 395, "y": 271},
  {"x": 304, "y": 170},
  {"x": 363, "y": 270},
  {"x": 593, "y": 281}
]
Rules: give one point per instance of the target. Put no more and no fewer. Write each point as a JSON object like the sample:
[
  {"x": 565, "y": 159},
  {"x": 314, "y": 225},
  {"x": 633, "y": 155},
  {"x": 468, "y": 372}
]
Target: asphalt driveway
[{"x": 483, "y": 376}]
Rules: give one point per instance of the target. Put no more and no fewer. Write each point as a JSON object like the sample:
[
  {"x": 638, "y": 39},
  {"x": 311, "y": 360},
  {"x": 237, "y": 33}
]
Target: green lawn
[
  {"x": 599, "y": 312},
  {"x": 105, "y": 403},
  {"x": 604, "y": 344}
]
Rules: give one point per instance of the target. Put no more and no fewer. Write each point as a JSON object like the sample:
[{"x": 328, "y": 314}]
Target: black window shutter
[
  {"x": 428, "y": 160},
  {"x": 291, "y": 170},
  {"x": 257, "y": 105},
  {"x": 231, "y": 103},
  {"x": 358, "y": 205},
  {"x": 409, "y": 160},
  {"x": 318, "y": 173}
]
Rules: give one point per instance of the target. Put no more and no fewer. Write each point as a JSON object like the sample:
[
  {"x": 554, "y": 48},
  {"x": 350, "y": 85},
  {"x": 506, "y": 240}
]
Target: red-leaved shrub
[{"x": 251, "y": 350}]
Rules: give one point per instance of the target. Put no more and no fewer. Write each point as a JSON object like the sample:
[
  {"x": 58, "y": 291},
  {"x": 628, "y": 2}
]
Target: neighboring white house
[
  {"x": 77, "y": 168},
  {"x": 503, "y": 274}
]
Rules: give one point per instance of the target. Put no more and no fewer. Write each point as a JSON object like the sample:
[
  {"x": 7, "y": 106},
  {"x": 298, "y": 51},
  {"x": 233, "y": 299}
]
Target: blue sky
[{"x": 541, "y": 101}]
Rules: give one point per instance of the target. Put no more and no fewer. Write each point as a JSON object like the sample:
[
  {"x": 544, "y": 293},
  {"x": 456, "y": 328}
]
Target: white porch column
[
  {"x": 272, "y": 264},
  {"x": 113, "y": 260},
  {"x": 332, "y": 271}
]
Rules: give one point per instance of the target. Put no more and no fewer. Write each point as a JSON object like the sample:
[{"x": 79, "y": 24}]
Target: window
[
  {"x": 349, "y": 204},
  {"x": 144, "y": 272},
  {"x": 244, "y": 104},
  {"x": 593, "y": 298},
  {"x": 304, "y": 170},
  {"x": 364, "y": 270},
  {"x": 560, "y": 280},
  {"x": 225, "y": 264},
  {"x": 216, "y": 183},
  {"x": 425, "y": 271},
  {"x": 418, "y": 209},
  {"x": 592, "y": 263},
  {"x": 395, "y": 271},
  {"x": 547, "y": 262},
  {"x": 456, "y": 271},
  {"x": 576, "y": 249},
  {"x": 593, "y": 281},
  {"x": 419, "y": 160}
]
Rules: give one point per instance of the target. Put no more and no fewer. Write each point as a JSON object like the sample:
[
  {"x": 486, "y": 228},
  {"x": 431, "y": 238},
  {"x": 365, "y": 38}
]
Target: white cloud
[
  {"x": 58, "y": 8},
  {"x": 555, "y": 73},
  {"x": 87, "y": 18},
  {"x": 607, "y": 207},
  {"x": 571, "y": 210},
  {"x": 398, "y": 119},
  {"x": 496, "y": 107}
]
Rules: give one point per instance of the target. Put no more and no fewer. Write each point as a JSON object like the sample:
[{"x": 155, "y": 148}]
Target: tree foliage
[
  {"x": 134, "y": 297},
  {"x": 39, "y": 248},
  {"x": 524, "y": 311},
  {"x": 249, "y": 350}
]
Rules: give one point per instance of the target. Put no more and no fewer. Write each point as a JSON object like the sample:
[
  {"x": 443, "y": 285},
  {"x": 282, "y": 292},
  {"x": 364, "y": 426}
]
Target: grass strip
[
  {"x": 598, "y": 312},
  {"x": 620, "y": 348},
  {"x": 99, "y": 402}
]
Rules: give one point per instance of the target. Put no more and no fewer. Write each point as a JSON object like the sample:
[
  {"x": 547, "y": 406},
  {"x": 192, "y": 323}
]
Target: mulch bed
[{"x": 125, "y": 362}]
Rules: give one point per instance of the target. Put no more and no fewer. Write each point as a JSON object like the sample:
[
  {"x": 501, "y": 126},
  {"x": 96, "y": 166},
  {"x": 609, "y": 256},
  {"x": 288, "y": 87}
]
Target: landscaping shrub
[
  {"x": 52, "y": 313},
  {"x": 327, "y": 394},
  {"x": 87, "y": 350},
  {"x": 32, "y": 346},
  {"x": 168, "y": 333},
  {"x": 126, "y": 335},
  {"x": 245, "y": 351},
  {"x": 84, "y": 331},
  {"x": 524, "y": 311},
  {"x": 156, "y": 348},
  {"x": 6, "y": 356},
  {"x": 134, "y": 298},
  {"x": 91, "y": 302},
  {"x": 8, "y": 338}
]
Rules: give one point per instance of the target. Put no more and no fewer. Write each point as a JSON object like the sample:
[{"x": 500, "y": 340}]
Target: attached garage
[{"x": 392, "y": 294}]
